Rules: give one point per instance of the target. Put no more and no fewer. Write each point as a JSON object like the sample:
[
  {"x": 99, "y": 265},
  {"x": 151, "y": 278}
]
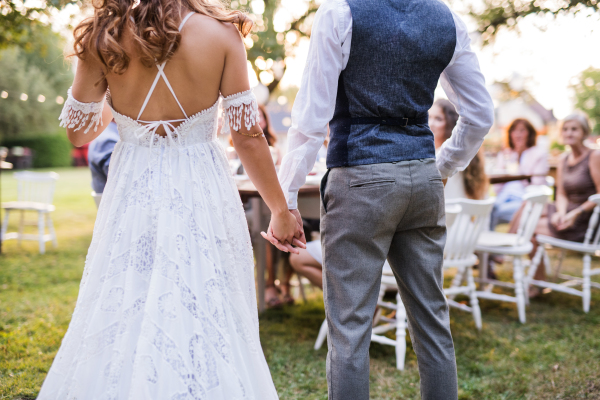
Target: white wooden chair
[
  {"x": 518, "y": 245},
  {"x": 398, "y": 322},
  {"x": 589, "y": 247},
  {"x": 383, "y": 323},
  {"x": 460, "y": 252},
  {"x": 35, "y": 191}
]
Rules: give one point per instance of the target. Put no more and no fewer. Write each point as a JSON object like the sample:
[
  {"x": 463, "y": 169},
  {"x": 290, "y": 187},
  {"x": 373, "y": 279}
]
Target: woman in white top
[
  {"x": 524, "y": 157},
  {"x": 167, "y": 305}
]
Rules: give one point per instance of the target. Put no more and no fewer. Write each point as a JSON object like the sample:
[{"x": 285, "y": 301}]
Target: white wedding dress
[{"x": 166, "y": 307}]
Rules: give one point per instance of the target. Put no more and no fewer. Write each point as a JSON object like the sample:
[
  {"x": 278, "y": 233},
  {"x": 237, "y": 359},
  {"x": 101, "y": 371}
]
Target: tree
[
  {"x": 18, "y": 23},
  {"x": 277, "y": 30},
  {"x": 587, "y": 95},
  {"x": 495, "y": 14},
  {"x": 32, "y": 76}
]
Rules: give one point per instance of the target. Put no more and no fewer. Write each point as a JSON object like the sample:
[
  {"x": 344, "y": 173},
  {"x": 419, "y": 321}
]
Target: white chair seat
[
  {"x": 468, "y": 261},
  {"x": 28, "y": 206},
  {"x": 567, "y": 245}
]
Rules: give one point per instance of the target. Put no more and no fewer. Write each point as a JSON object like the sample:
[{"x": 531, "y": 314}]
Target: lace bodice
[{"x": 198, "y": 128}]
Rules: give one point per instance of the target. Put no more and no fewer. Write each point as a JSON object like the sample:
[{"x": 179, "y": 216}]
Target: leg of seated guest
[{"x": 307, "y": 266}]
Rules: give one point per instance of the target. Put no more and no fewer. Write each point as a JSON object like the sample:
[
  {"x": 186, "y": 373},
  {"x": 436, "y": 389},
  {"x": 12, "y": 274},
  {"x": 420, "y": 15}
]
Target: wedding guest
[
  {"x": 472, "y": 183},
  {"x": 528, "y": 159},
  {"x": 99, "y": 154},
  {"x": 578, "y": 178}
]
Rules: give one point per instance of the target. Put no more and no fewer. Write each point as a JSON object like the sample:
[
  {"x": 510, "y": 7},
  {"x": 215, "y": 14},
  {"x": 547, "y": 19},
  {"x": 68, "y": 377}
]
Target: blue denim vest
[{"x": 399, "y": 50}]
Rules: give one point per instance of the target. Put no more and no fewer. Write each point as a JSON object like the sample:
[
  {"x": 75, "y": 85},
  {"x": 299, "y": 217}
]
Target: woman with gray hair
[{"x": 577, "y": 178}]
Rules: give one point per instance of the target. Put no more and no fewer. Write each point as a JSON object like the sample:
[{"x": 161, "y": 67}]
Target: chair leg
[
  {"x": 473, "y": 297},
  {"x": 301, "y": 287},
  {"x": 483, "y": 271},
  {"x": 587, "y": 264},
  {"x": 457, "y": 281},
  {"x": 519, "y": 288},
  {"x": 321, "y": 336},
  {"x": 4, "y": 225},
  {"x": 51, "y": 230},
  {"x": 400, "y": 333},
  {"x": 21, "y": 226},
  {"x": 548, "y": 266},
  {"x": 41, "y": 230}
]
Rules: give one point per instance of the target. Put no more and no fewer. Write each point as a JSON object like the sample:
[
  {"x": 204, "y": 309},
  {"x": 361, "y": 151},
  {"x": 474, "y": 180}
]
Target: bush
[{"x": 49, "y": 150}]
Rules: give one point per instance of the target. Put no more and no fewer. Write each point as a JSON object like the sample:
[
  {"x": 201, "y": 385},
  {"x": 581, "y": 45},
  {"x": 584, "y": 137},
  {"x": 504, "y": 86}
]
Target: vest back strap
[{"x": 389, "y": 121}]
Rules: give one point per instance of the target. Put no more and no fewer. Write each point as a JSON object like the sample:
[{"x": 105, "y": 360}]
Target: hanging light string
[{"x": 24, "y": 97}]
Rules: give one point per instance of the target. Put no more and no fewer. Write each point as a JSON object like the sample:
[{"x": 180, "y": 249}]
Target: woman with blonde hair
[
  {"x": 577, "y": 178},
  {"x": 167, "y": 303}
]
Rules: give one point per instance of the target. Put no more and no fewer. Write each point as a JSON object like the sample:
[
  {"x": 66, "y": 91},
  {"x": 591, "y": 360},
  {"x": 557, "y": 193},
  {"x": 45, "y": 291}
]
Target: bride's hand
[{"x": 284, "y": 231}]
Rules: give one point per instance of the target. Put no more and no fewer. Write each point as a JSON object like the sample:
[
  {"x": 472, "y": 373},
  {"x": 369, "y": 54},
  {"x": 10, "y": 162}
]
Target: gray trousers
[{"x": 370, "y": 213}]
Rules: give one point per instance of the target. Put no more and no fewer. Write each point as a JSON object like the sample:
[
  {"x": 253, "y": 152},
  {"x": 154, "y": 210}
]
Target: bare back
[{"x": 211, "y": 58}]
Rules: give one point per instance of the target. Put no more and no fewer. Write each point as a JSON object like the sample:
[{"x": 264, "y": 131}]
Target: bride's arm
[
  {"x": 241, "y": 115},
  {"x": 85, "y": 114}
]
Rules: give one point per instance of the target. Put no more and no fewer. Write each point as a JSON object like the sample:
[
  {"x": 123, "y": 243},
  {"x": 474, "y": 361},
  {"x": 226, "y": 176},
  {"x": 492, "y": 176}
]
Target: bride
[{"x": 167, "y": 306}]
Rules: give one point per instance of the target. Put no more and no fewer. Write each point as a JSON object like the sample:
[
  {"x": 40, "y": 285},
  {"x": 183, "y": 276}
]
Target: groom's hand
[
  {"x": 299, "y": 239},
  {"x": 300, "y": 228}
]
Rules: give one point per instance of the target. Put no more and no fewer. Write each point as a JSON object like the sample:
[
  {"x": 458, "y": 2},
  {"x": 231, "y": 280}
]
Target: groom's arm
[
  {"x": 315, "y": 102},
  {"x": 464, "y": 85}
]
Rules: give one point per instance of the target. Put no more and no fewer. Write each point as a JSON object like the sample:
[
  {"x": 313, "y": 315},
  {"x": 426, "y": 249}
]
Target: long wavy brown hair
[{"x": 153, "y": 23}]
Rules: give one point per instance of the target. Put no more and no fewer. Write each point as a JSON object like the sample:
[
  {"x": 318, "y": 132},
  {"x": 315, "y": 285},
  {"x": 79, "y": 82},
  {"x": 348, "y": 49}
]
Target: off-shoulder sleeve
[
  {"x": 76, "y": 114},
  {"x": 238, "y": 107}
]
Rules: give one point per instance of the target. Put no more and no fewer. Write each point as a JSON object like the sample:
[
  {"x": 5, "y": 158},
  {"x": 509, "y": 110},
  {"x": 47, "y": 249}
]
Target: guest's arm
[{"x": 464, "y": 85}]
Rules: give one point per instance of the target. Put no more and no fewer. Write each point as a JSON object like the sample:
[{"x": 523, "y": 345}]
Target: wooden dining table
[
  {"x": 503, "y": 178},
  {"x": 260, "y": 215}
]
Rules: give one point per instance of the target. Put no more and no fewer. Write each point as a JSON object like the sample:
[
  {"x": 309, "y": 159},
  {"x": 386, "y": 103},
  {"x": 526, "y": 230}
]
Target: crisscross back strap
[{"x": 160, "y": 73}]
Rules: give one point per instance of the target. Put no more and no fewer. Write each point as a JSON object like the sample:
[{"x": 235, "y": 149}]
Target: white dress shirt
[{"x": 328, "y": 55}]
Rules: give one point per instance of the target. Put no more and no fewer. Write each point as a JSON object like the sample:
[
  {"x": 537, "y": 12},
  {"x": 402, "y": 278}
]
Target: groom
[{"x": 372, "y": 69}]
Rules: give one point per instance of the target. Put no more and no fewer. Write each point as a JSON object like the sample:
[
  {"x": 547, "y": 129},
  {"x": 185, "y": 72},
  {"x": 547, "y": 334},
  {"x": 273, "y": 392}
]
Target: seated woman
[
  {"x": 530, "y": 159},
  {"x": 577, "y": 178},
  {"x": 472, "y": 183}
]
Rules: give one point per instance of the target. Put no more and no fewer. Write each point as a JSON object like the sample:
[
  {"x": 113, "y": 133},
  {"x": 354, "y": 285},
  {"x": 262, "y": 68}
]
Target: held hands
[{"x": 286, "y": 230}]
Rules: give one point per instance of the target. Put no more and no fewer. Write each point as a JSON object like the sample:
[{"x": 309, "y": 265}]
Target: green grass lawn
[{"x": 556, "y": 355}]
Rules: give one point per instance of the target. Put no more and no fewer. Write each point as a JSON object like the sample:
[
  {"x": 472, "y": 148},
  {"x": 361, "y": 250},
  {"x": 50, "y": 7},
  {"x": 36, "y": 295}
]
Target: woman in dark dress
[{"x": 578, "y": 178}]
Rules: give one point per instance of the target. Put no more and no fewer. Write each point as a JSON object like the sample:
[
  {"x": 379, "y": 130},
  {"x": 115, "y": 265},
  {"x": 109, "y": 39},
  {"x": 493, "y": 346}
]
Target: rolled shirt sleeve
[
  {"x": 464, "y": 85},
  {"x": 315, "y": 102}
]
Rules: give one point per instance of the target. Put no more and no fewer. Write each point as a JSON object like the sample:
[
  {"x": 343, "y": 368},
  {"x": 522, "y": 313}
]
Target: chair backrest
[
  {"x": 35, "y": 187},
  {"x": 468, "y": 225},
  {"x": 534, "y": 199},
  {"x": 593, "y": 224},
  {"x": 452, "y": 211}
]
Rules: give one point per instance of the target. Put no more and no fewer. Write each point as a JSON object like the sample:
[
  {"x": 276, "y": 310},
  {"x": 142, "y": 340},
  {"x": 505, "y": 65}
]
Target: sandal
[
  {"x": 273, "y": 302},
  {"x": 287, "y": 298}
]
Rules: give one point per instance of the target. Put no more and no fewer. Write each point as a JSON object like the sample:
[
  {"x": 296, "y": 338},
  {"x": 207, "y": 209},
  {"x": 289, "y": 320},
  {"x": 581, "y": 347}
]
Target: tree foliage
[
  {"x": 35, "y": 68},
  {"x": 587, "y": 95},
  {"x": 495, "y": 14},
  {"x": 270, "y": 42}
]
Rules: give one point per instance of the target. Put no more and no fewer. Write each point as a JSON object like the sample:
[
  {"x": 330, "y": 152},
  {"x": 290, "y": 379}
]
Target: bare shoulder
[{"x": 205, "y": 30}]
